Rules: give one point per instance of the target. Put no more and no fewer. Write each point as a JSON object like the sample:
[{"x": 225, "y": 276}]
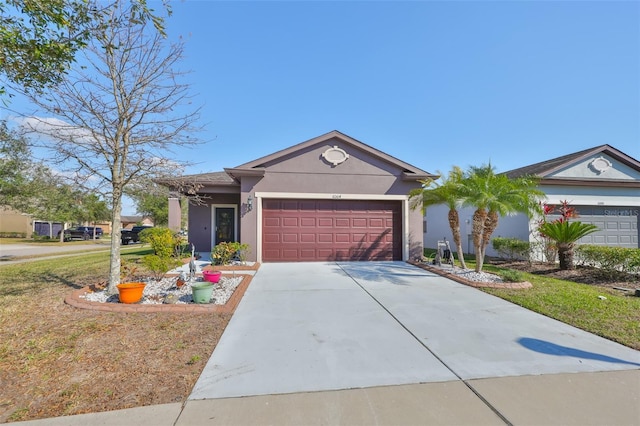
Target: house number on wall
[{"x": 336, "y": 196}]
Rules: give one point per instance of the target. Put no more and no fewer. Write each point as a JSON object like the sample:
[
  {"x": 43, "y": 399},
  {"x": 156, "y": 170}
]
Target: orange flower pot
[{"x": 130, "y": 292}]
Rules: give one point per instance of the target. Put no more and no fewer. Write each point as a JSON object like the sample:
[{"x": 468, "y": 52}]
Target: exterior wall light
[{"x": 249, "y": 203}]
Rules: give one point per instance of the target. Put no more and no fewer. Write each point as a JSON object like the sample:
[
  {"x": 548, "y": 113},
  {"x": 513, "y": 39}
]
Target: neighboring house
[
  {"x": 602, "y": 183},
  {"x": 13, "y": 222},
  {"x": 329, "y": 198},
  {"x": 129, "y": 222}
]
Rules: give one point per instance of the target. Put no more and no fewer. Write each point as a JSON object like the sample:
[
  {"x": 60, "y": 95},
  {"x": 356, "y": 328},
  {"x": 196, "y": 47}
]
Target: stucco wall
[
  {"x": 12, "y": 221},
  {"x": 306, "y": 174}
]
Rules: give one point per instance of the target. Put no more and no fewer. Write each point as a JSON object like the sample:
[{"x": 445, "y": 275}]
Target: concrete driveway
[{"x": 327, "y": 326}]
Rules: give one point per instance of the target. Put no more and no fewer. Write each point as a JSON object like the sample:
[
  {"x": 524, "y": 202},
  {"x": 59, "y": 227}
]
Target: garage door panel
[
  {"x": 342, "y": 222},
  {"x": 289, "y": 238},
  {"x": 377, "y": 223},
  {"x": 342, "y": 238},
  {"x": 325, "y": 238},
  {"x": 359, "y": 222},
  {"x": 272, "y": 222},
  {"x": 308, "y": 222},
  {"x": 271, "y": 238},
  {"x": 337, "y": 229},
  {"x": 308, "y": 238},
  {"x": 325, "y": 222}
]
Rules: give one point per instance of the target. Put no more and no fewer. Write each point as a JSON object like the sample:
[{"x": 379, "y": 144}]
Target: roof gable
[
  {"x": 330, "y": 149},
  {"x": 599, "y": 165}
]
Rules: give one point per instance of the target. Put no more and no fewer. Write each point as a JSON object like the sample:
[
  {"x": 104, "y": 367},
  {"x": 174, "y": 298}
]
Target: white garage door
[{"x": 618, "y": 225}]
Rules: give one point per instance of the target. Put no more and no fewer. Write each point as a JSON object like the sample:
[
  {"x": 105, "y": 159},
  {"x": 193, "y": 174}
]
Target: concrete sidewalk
[{"x": 389, "y": 343}]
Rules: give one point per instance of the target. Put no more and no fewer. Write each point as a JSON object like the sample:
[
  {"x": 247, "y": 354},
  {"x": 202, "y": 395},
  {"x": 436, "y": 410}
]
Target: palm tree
[
  {"x": 448, "y": 192},
  {"x": 494, "y": 195},
  {"x": 565, "y": 234}
]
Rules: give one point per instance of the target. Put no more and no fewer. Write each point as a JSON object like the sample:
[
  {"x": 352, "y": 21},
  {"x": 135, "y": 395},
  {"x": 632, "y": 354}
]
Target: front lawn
[
  {"x": 57, "y": 360},
  {"x": 601, "y": 310}
]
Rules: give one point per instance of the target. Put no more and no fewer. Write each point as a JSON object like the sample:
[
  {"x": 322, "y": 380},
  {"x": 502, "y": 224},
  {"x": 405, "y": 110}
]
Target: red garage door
[{"x": 318, "y": 230}]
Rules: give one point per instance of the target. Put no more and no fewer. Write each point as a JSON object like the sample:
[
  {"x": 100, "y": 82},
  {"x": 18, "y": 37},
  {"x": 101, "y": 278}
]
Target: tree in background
[
  {"x": 449, "y": 192},
  {"x": 92, "y": 210},
  {"x": 151, "y": 200},
  {"x": 120, "y": 116},
  {"x": 39, "y": 40},
  {"x": 494, "y": 195},
  {"x": 15, "y": 165}
]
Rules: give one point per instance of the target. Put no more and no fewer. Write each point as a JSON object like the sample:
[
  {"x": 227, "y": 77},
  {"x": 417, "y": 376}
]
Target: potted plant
[
  {"x": 131, "y": 289},
  {"x": 201, "y": 292}
]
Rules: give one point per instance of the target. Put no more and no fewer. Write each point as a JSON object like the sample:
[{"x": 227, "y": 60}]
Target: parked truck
[{"x": 131, "y": 235}]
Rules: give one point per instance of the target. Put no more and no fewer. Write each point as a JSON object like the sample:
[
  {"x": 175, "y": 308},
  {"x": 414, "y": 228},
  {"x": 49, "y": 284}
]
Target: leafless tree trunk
[{"x": 120, "y": 115}]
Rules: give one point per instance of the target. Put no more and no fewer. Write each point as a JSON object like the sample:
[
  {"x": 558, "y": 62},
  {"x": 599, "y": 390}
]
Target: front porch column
[{"x": 175, "y": 214}]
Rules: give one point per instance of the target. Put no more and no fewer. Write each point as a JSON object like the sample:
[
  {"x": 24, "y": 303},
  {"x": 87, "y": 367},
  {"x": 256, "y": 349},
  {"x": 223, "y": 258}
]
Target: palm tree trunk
[
  {"x": 565, "y": 256},
  {"x": 477, "y": 229},
  {"x": 454, "y": 223},
  {"x": 490, "y": 225}
]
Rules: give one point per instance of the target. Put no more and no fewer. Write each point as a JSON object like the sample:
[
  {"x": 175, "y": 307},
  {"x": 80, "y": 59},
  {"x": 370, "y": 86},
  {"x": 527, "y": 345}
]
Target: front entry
[{"x": 224, "y": 224}]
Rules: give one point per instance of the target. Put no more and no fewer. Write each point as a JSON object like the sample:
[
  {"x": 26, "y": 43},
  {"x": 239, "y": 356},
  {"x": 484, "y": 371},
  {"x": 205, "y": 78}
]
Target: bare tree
[{"x": 121, "y": 115}]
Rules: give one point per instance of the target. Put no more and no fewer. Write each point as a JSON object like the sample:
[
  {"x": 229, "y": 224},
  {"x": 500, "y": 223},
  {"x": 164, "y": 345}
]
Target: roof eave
[{"x": 618, "y": 183}]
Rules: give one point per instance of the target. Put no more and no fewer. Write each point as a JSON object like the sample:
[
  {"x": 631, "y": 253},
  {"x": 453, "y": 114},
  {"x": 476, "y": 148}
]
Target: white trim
[
  {"x": 325, "y": 196},
  {"x": 258, "y": 196},
  {"x": 213, "y": 220},
  {"x": 257, "y": 204},
  {"x": 405, "y": 229}
]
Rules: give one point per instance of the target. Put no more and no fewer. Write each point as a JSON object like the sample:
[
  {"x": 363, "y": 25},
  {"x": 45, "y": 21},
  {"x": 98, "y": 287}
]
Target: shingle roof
[{"x": 545, "y": 168}]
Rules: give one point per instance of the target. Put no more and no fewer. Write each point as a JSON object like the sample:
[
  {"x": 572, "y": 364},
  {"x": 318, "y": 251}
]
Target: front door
[{"x": 225, "y": 229}]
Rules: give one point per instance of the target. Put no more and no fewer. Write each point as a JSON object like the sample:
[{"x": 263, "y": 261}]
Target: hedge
[{"x": 609, "y": 258}]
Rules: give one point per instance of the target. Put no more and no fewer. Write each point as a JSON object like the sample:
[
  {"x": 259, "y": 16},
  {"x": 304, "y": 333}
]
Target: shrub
[
  {"x": 162, "y": 240},
  {"x": 609, "y": 259},
  {"x": 512, "y": 276},
  {"x": 511, "y": 248},
  {"x": 223, "y": 253},
  {"x": 158, "y": 265},
  {"x": 13, "y": 235}
]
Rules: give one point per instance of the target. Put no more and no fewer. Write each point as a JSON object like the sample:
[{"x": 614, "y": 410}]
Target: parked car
[
  {"x": 89, "y": 229},
  {"x": 75, "y": 234},
  {"x": 131, "y": 235}
]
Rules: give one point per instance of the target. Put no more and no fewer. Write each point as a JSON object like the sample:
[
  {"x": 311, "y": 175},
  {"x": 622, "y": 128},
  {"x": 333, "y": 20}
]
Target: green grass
[
  {"x": 70, "y": 271},
  {"x": 616, "y": 317}
]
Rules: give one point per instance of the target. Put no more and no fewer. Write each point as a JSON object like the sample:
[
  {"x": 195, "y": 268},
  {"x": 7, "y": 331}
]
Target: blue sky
[{"x": 434, "y": 84}]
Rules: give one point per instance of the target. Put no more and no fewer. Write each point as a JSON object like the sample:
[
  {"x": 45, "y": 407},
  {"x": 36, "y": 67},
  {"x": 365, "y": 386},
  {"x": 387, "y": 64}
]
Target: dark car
[
  {"x": 90, "y": 229},
  {"x": 131, "y": 235},
  {"x": 75, "y": 234}
]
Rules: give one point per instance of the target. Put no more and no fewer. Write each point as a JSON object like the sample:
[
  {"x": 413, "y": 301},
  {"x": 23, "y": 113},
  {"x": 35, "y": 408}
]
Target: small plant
[
  {"x": 164, "y": 258},
  {"x": 194, "y": 359},
  {"x": 129, "y": 271},
  {"x": 512, "y": 276},
  {"x": 223, "y": 253},
  {"x": 158, "y": 266}
]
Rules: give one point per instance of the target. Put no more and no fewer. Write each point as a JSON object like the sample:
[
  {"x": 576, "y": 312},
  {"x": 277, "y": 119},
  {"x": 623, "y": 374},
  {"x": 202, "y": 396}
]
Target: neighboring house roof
[
  {"x": 257, "y": 167},
  {"x": 133, "y": 219},
  {"x": 549, "y": 171}
]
